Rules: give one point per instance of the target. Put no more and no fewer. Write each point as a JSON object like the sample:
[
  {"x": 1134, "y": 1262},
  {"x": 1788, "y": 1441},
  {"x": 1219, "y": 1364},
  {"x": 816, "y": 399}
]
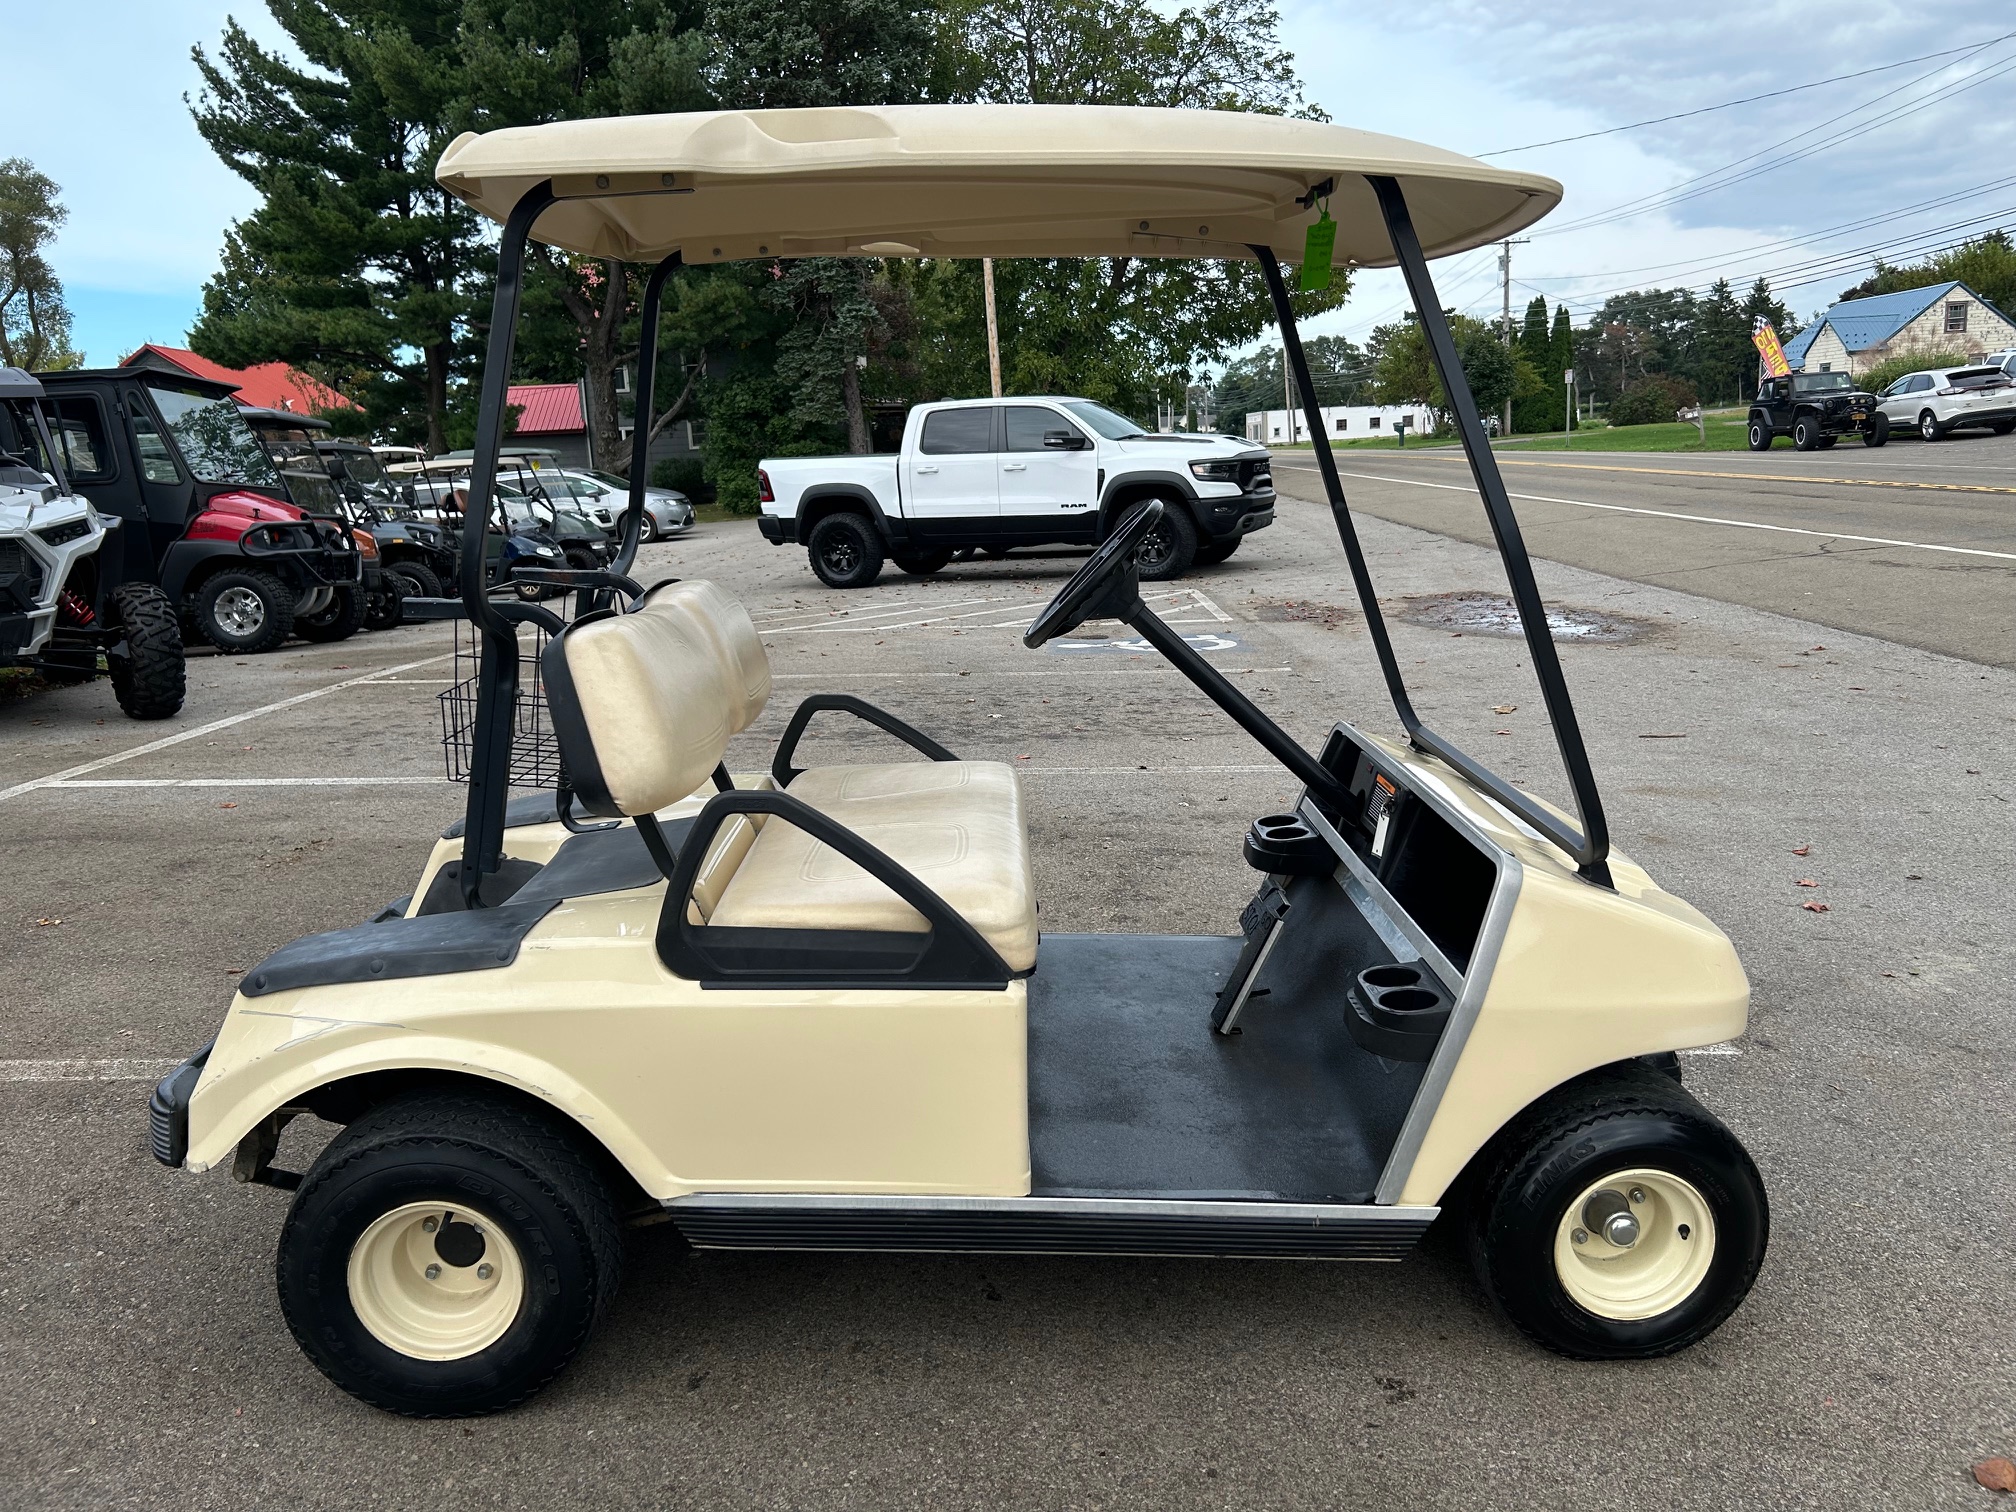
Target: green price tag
[{"x": 1316, "y": 249}]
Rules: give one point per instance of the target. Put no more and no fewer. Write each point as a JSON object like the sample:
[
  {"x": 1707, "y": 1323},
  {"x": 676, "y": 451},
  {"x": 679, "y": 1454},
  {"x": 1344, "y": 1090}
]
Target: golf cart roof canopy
[
  {"x": 17, "y": 383},
  {"x": 979, "y": 180}
]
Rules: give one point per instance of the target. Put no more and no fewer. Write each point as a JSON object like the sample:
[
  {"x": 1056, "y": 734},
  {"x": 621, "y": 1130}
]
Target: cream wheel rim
[
  {"x": 435, "y": 1281},
  {"x": 1634, "y": 1245}
]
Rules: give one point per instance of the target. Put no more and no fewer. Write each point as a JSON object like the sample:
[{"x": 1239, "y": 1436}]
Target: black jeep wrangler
[{"x": 1815, "y": 410}]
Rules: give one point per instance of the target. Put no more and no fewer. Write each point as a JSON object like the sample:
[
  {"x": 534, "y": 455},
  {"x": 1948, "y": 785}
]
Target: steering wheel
[{"x": 1089, "y": 583}]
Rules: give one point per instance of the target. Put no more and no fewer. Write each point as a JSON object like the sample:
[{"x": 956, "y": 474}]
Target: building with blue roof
[{"x": 1859, "y": 333}]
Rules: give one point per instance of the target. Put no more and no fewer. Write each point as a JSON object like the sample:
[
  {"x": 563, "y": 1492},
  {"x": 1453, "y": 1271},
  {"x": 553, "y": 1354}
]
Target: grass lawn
[{"x": 1724, "y": 433}]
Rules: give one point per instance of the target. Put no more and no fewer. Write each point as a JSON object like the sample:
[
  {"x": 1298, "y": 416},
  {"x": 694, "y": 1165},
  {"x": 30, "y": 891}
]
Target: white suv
[{"x": 1939, "y": 400}]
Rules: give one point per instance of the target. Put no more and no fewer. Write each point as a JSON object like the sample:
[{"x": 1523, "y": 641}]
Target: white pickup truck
[{"x": 994, "y": 474}]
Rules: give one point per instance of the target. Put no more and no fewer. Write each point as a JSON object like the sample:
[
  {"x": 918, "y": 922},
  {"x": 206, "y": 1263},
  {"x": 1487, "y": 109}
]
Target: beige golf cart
[{"x": 811, "y": 1009}]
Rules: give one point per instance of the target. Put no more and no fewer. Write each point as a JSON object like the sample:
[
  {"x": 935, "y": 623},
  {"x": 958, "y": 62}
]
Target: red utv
[{"x": 207, "y": 515}]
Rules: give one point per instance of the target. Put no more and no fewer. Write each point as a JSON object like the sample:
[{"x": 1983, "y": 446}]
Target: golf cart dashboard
[{"x": 1441, "y": 877}]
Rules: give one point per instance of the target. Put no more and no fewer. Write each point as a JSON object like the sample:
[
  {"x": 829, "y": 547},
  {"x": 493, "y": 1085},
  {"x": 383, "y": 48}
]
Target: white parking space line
[
  {"x": 763, "y": 617},
  {"x": 1668, "y": 514},
  {"x": 211, "y": 728},
  {"x": 1177, "y": 606},
  {"x": 84, "y": 1070},
  {"x": 1148, "y": 671},
  {"x": 868, "y": 619}
]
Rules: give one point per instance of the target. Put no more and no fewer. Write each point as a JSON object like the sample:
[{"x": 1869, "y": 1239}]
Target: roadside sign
[{"x": 1770, "y": 349}]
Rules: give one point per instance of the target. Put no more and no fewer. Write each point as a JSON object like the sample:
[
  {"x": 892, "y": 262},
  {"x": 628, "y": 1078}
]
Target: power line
[{"x": 1746, "y": 100}]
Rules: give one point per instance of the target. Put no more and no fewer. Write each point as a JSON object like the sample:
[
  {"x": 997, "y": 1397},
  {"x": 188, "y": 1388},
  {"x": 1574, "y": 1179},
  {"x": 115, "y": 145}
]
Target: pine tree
[
  {"x": 1560, "y": 360},
  {"x": 1540, "y": 409}
]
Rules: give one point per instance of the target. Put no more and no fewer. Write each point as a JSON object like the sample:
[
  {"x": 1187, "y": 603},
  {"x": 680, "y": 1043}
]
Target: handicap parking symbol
[{"x": 1136, "y": 646}]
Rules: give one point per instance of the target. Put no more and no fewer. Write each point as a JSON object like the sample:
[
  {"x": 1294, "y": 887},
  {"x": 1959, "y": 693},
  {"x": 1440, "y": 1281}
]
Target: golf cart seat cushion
[
  {"x": 640, "y": 707},
  {"x": 723, "y": 624},
  {"x": 958, "y": 826}
]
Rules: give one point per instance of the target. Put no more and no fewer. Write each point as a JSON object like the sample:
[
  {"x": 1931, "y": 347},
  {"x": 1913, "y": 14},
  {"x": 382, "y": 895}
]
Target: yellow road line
[{"x": 1694, "y": 472}]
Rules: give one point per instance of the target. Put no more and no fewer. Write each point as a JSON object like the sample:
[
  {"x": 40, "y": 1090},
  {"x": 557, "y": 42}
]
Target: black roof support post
[
  {"x": 497, "y": 682},
  {"x": 1590, "y": 848},
  {"x": 640, "y": 431}
]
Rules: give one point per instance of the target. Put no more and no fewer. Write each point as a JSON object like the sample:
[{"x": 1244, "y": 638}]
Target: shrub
[
  {"x": 687, "y": 474},
  {"x": 1654, "y": 401},
  {"x": 1887, "y": 372}
]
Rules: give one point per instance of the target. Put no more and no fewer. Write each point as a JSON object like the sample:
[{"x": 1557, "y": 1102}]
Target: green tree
[
  {"x": 1724, "y": 356},
  {"x": 1404, "y": 373},
  {"x": 1987, "y": 265},
  {"x": 1560, "y": 358},
  {"x": 34, "y": 322},
  {"x": 355, "y": 266},
  {"x": 1536, "y": 404}
]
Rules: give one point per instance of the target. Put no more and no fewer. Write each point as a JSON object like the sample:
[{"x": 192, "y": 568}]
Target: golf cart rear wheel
[
  {"x": 149, "y": 675},
  {"x": 342, "y": 618},
  {"x": 846, "y": 551},
  {"x": 1618, "y": 1219},
  {"x": 449, "y": 1255},
  {"x": 242, "y": 610},
  {"x": 1170, "y": 548}
]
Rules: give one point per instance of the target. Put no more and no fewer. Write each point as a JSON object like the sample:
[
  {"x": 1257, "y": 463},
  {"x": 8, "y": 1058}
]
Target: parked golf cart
[
  {"x": 435, "y": 494},
  {"x": 62, "y": 600},
  {"x": 810, "y": 1008},
  {"x": 207, "y": 518},
  {"x": 316, "y": 484}
]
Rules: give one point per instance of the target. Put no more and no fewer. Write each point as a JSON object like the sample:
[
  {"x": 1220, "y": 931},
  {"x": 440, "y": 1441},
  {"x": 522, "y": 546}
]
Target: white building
[{"x": 1342, "y": 422}]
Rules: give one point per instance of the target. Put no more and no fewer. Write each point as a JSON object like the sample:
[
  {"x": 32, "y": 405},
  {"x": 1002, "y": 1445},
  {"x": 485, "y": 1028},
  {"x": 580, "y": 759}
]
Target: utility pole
[
  {"x": 993, "y": 330},
  {"x": 1505, "y": 269}
]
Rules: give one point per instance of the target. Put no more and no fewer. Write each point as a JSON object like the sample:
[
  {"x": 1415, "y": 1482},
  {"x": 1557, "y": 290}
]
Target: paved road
[
  {"x": 1910, "y": 542},
  {"x": 146, "y": 1365}
]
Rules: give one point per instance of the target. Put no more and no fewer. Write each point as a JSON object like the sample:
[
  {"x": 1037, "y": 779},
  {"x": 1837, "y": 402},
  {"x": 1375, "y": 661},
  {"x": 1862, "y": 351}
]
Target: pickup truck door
[
  {"x": 1049, "y": 476},
  {"x": 953, "y": 491}
]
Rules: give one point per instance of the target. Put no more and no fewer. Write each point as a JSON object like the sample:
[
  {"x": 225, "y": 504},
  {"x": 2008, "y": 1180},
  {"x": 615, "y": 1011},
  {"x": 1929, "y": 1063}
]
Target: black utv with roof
[
  {"x": 1815, "y": 410},
  {"x": 207, "y": 516}
]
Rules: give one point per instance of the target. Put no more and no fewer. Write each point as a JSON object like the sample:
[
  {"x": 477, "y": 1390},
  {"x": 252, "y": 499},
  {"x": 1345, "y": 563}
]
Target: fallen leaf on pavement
[
  {"x": 227, "y": 805},
  {"x": 1802, "y": 850},
  {"x": 1913, "y": 877},
  {"x": 1805, "y": 882},
  {"x": 1815, "y": 907},
  {"x": 1504, "y": 708},
  {"x": 45, "y": 923},
  {"x": 1997, "y": 1474}
]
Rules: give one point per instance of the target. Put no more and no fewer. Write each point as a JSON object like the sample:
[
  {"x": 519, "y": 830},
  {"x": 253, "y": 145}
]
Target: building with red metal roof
[{"x": 270, "y": 385}]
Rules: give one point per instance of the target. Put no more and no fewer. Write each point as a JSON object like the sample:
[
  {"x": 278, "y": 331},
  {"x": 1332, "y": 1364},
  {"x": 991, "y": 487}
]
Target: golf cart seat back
[{"x": 643, "y": 706}]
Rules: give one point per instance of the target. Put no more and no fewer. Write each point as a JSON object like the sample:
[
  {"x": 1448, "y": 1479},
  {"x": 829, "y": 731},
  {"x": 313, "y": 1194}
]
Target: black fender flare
[
  {"x": 891, "y": 531},
  {"x": 1120, "y": 490}
]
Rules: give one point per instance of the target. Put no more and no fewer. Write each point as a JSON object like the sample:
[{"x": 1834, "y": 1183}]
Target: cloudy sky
[{"x": 1803, "y": 187}]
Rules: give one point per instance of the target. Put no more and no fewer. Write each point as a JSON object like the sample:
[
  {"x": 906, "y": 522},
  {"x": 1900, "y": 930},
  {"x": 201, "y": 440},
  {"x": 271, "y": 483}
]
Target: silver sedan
[{"x": 667, "y": 512}]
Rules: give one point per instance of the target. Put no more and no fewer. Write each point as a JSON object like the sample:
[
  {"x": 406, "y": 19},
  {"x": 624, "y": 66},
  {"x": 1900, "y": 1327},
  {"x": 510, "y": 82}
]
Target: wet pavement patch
[{"x": 1474, "y": 613}]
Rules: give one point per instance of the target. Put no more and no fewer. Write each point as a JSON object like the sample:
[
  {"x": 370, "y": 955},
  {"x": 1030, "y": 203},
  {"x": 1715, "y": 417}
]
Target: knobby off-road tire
[
  {"x": 1628, "y": 1136},
  {"x": 242, "y": 610},
  {"x": 343, "y": 618},
  {"x": 149, "y": 676},
  {"x": 420, "y": 580},
  {"x": 846, "y": 551},
  {"x": 1760, "y": 435},
  {"x": 922, "y": 563},
  {"x": 503, "y": 1202},
  {"x": 1170, "y": 548}
]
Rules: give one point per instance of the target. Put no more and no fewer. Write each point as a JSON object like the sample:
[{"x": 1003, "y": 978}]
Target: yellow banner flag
[{"x": 1766, "y": 340}]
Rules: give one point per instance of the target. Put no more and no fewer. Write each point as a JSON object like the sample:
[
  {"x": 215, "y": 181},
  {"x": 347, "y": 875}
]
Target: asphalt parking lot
[{"x": 1732, "y": 724}]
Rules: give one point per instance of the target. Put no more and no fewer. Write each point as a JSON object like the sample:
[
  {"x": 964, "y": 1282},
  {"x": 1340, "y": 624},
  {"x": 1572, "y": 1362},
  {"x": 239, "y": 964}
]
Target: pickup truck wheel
[
  {"x": 1929, "y": 428},
  {"x": 1760, "y": 434},
  {"x": 1805, "y": 434},
  {"x": 1168, "y": 550},
  {"x": 343, "y": 618},
  {"x": 1878, "y": 432},
  {"x": 1211, "y": 553},
  {"x": 449, "y": 1255},
  {"x": 149, "y": 678},
  {"x": 846, "y": 551},
  {"x": 922, "y": 563},
  {"x": 242, "y": 610}
]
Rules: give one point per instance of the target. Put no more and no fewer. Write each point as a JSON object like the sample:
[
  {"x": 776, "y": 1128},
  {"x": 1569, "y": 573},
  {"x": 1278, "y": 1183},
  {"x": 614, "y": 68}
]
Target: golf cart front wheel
[
  {"x": 1618, "y": 1219},
  {"x": 449, "y": 1255}
]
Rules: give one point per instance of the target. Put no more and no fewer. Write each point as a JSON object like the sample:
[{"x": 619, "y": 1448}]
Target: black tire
[
  {"x": 240, "y": 628},
  {"x": 1760, "y": 434},
  {"x": 1615, "y": 1121},
  {"x": 2003, "y": 427},
  {"x": 1168, "y": 550},
  {"x": 1929, "y": 429},
  {"x": 1805, "y": 433},
  {"x": 581, "y": 559},
  {"x": 1878, "y": 431},
  {"x": 1211, "y": 553},
  {"x": 500, "y": 1166},
  {"x": 846, "y": 551},
  {"x": 68, "y": 666},
  {"x": 149, "y": 675},
  {"x": 342, "y": 618},
  {"x": 647, "y": 529},
  {"x": 922, "y": 563},
  {"x": 1826, "y": 443},
  {"x": 386, "y": 609},
  {"x": 419, "y": 579}
]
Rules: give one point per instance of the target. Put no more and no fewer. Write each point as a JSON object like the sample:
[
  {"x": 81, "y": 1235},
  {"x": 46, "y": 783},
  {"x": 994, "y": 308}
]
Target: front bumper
[
  {"x": 168, "y": 1108},
  {"x": 1242, "y": 514},
  {"x": 776, "y": 529}
]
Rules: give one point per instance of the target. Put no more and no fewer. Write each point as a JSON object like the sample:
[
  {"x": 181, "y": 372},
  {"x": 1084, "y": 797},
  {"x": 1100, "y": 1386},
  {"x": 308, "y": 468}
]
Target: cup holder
[
  {"x": 1398, "y": 1011},
  {"x": 1284, "y": 845}
]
